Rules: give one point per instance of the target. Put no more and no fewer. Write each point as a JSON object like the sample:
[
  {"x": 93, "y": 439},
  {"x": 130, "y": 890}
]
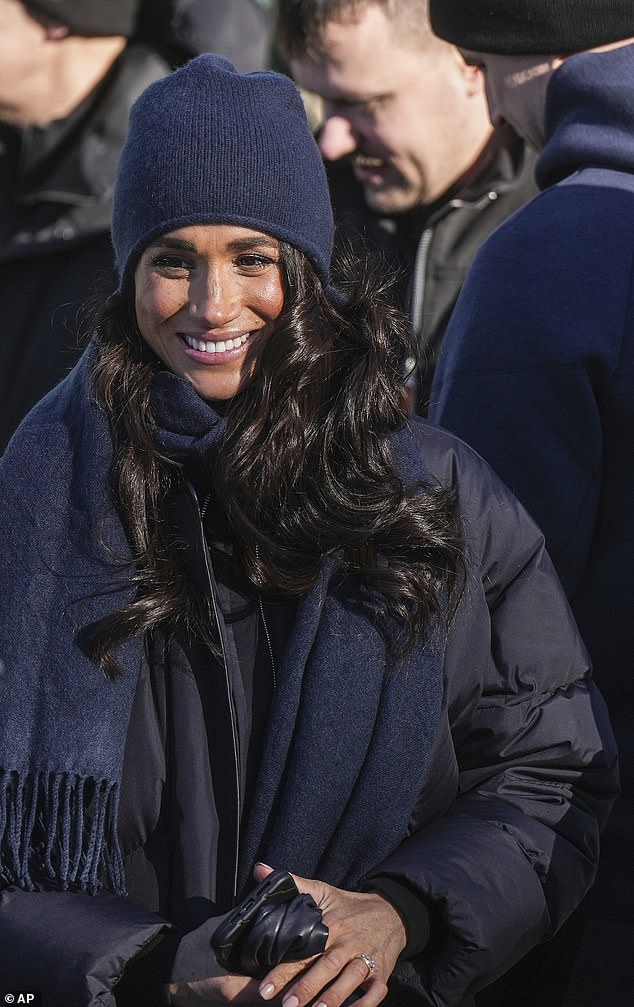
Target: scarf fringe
[{"x": 61, "y": 826}]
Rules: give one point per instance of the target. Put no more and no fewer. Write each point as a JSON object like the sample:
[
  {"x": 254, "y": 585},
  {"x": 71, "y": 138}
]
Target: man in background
[
  {"x": 239, "y": 29},
  {"x": 68, "y": 76},
  {"x": 537, "y": 373},
  {"x": 415, "y": 167}
]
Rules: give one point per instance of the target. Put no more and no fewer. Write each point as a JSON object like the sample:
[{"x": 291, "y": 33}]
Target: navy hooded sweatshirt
[{"x": 537, "y": 373}]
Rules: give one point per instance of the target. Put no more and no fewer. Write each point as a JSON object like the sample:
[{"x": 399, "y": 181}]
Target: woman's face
[{"x": 207, "y": 297}]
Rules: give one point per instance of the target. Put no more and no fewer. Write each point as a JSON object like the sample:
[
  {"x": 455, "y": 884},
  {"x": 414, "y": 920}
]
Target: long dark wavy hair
[{"x": 306, "y": 468}]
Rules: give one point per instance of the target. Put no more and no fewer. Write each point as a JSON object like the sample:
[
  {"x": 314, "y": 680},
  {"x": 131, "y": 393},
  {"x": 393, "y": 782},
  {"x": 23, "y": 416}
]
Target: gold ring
[{"x": 369, "y": 962}]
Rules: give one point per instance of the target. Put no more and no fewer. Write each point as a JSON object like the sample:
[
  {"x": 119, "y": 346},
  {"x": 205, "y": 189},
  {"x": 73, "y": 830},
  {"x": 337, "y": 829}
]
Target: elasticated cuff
[{"x": 412, "y": 910}]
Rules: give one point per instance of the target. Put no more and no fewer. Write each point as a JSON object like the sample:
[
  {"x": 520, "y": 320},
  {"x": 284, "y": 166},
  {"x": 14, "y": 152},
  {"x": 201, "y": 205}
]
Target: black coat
[{"x": 503, "y": 835}]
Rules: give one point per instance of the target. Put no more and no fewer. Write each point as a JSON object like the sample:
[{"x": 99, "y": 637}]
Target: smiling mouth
[
  {"x": 368, "y": 161},
  {"x": 215, "y": 346}
]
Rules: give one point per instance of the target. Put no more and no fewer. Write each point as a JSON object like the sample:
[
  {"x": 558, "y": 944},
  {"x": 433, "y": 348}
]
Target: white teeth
[
  {"x": 216, "y": 347},
  {"x": 367, "y": 161}
]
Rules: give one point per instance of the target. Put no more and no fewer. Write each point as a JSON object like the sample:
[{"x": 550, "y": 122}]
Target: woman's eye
[
  {"x": 253, "y": 262},
  {"x": 171, "y": 263}
]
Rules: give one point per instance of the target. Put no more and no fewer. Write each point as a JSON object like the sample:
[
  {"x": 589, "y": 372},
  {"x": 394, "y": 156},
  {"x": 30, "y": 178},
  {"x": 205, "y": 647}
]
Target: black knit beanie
[
  {"x": 91, "y": 17},
  {"x": 532, "y": 27},
  {"x": 207, "y": 144}
]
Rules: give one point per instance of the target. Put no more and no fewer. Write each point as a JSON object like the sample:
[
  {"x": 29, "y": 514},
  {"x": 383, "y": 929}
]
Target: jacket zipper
[
  {"x": 419, "y": 285},
  {"x": 232, "y": 710},
  {"x": 420, "y": 271},
  {"x": 268, "y": 640},
  {"x": 417, "y": 299}
]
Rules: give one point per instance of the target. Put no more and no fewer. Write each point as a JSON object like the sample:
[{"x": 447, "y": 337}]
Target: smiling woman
[
  {"x": 272, "y": 622},
  {"x": 206, "y": 298}
]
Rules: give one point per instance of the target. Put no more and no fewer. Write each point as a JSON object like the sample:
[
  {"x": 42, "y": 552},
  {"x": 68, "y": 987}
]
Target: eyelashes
[{"x": 248, "y": 262}]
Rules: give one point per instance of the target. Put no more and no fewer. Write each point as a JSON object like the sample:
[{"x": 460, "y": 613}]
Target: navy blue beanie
[{"x": 207, "y": 144}]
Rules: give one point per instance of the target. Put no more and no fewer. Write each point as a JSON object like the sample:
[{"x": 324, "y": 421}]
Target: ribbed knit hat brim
[
  {"x": 207, "y": 144},
  {"x": 532, "y": 27}
]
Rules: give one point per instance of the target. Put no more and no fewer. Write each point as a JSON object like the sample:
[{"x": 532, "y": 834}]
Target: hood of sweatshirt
[{"x": 589, "y": 115}]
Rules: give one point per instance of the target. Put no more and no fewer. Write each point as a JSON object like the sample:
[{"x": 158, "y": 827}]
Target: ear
[
  {"x": 472, "y": 75},
  {"x": 474, "y": 79},
  {"x": 55, "y": 30}
]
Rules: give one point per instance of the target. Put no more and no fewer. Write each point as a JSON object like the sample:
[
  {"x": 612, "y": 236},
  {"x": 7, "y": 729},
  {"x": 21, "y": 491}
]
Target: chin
[
  {"x": 391, "y": 201},
  {"x": 222, "y": 388}
]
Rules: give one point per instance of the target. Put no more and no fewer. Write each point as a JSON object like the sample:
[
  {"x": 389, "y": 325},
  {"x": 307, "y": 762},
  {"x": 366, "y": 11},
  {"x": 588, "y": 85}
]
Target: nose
[
  {"x": 337, "y": 137},
  {"x": 214, "y": 298}
]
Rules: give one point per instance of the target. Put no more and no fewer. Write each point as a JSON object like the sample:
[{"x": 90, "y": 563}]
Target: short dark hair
[{"x": 300, "y": 22}]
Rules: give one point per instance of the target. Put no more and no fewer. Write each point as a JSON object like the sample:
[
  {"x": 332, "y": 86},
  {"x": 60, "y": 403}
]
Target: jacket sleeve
[
  {"x": 73, "y": 947},
  {"x": 535, "y": 763}
]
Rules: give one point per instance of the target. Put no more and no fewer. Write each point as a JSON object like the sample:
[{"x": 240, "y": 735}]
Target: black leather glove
[
  {"x": 286, "y": 932},
  {"x": 273, "y": 923}
]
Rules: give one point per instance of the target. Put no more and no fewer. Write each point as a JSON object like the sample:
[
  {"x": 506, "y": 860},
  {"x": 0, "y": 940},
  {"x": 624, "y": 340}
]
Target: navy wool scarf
[
  {"x": 349, "y": 738},
  {"x": 62, "y": 723}
]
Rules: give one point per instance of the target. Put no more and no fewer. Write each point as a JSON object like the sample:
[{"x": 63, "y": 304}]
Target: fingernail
[
  {"x": 290, "y": 1001},
  {"x": 266, "y": 992},
  {"x": 260, "y": 864}
]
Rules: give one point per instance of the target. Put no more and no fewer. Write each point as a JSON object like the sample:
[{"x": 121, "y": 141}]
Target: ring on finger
[{"x": 369, "y": 963}]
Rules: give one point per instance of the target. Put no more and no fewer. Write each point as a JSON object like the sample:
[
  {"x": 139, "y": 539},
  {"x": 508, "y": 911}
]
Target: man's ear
[
  {"x": 55, "y": 30},
  {"x": 471, "y": 74},
  {"x": 474, "y": 78}
]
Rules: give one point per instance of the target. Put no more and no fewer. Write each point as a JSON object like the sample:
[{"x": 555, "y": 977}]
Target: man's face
[
  {"x": 26, "y": 59},
  {"x": 413, "y": 119},
  {"x": 21, "y": 39},
  {"x": 516, "y": 90}
]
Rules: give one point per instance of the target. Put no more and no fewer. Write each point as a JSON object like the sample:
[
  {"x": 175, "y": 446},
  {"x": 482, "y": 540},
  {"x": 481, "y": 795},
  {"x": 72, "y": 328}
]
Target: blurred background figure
[
  {"x": 68, "y": 76},
  {"x": 239, "y": 29},
  {"x": 415, "y": 167}
]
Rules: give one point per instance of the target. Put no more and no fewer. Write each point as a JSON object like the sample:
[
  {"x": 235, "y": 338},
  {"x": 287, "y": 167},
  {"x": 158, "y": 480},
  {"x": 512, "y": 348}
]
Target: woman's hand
[{"x": 358, "y": 923}]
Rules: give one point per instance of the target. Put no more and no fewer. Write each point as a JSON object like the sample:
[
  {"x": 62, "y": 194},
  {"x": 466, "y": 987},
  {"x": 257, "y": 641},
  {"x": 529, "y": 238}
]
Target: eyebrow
[
  {"x": 237, "y": 245},
  {"x": 347, "y": 101},
  {"x": 241, "y": 244}
]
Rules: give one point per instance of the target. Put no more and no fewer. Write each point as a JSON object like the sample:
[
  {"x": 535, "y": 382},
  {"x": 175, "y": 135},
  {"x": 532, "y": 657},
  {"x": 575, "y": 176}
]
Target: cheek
[
  {"x": 277, "y": 302},
  {"x": 388, "y": 138},
  {"x": 155, "y": 302},
  {"x": 412, "y": 131},
  {"x": 270, "y": 299}
]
